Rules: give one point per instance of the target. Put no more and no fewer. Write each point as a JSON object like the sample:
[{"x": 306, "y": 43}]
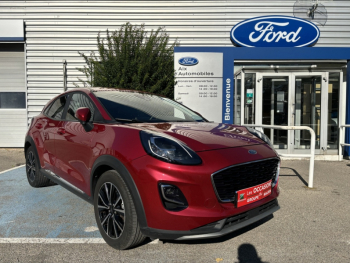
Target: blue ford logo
[
  {"x": 188, "y": 61},
  {"x": 252, "y": 152},
  {"x": 275, "y": 31}
]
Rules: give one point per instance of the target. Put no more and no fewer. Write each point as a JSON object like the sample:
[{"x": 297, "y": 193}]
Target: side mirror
[{"x": 83, "y": 115}]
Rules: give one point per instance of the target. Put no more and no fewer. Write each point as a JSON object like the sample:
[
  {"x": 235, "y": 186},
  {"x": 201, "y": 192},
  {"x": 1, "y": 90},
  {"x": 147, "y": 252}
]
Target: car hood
[{"x": 204, "y": 136}]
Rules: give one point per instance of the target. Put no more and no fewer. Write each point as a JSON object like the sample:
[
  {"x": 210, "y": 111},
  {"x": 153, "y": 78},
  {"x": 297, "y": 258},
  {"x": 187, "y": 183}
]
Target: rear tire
[
  {"x": 34, "y": 176},
  {"x": 115, "y": 212}
]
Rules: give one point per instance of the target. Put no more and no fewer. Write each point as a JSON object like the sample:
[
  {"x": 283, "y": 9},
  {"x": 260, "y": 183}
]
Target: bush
[{"x": 132, "y": 58}]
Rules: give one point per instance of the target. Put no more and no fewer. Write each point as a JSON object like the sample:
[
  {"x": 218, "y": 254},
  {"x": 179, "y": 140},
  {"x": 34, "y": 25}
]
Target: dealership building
[{"x": 242, "y": 62}]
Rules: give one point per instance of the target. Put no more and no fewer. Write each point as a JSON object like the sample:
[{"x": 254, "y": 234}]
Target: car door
[
  {"x": 45, "y": 131},
  {"x": 73, "y": 144}
]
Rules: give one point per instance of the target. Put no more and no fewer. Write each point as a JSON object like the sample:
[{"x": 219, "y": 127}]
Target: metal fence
[{"x": 312, "y": 146}]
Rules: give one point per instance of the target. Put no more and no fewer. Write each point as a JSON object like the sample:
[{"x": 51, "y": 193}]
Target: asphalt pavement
[
  {"x": 313, "y": 225},
  {"x": 11, "y": 157}
]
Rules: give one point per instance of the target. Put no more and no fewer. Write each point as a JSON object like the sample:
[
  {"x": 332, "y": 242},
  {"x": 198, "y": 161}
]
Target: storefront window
[
  {"x": 249, "y": 98},
  {"x": 333, "y": 110}
]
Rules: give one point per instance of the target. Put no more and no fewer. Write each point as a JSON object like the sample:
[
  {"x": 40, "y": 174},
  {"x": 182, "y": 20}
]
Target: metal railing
[
  {"x": 342, "y": 139},
  {"x": 312, "y": 146}
]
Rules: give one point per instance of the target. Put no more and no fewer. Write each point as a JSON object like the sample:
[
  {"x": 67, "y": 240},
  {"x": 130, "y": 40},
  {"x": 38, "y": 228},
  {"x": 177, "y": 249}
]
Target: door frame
[
  {"x": 259, "y": 101},
  {"x": 324, "y": 108},
  {"x": 258, "y": 96}
]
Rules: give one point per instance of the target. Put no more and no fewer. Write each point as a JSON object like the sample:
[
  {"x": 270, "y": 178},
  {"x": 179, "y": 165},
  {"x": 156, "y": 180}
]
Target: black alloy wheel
[
  {"x": 111, "y": 210},
  {"x": 34, "y": 176},
  {"x": 30, "y": 165},
  {"x": 115, "y": 212}
]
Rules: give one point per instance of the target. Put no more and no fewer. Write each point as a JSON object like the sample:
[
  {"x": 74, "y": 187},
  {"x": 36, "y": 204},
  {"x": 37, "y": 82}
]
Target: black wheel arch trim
[
  {"x": 30, "y": 140},
  {"x": 117, "y": 165}
]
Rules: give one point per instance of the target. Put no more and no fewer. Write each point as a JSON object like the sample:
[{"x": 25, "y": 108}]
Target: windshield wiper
[{"x": 128, "y": 120}]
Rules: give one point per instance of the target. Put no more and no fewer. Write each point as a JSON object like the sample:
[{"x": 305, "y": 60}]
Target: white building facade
[{"x": 32, "y": 64}]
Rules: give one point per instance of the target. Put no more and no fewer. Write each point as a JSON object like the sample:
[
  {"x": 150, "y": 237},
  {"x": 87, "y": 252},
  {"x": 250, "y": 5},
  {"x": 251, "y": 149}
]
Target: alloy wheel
[
  {"x": 31, "y": 166},
  {"x": 111, "y": 210}
]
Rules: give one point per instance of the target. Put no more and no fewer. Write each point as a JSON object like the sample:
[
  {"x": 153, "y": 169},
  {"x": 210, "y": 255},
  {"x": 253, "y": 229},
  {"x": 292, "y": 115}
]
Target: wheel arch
[
  {"x": 28, "y": 143},
  {"x": 108, "y": 162}
]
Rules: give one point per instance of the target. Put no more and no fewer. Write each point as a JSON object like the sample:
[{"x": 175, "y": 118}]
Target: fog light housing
[{"x": 172, "y": 197}]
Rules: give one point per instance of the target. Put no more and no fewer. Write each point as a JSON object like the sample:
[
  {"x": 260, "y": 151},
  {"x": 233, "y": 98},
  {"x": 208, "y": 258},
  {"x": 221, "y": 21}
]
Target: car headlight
[
  {"x": 168, "y": 149},
  {"x": 260, "y": 135}
]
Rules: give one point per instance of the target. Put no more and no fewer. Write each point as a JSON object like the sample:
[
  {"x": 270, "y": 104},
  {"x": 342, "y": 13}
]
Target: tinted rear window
[{"x": 55, "y": 111}]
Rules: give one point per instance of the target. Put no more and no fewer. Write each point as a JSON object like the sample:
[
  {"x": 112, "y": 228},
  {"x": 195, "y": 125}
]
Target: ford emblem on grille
[{"x": 252, "y": 152}]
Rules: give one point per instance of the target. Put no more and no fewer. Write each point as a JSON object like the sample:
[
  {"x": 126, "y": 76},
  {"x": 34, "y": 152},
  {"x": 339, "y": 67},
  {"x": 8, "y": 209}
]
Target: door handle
[{"x": 61, "y": 131}]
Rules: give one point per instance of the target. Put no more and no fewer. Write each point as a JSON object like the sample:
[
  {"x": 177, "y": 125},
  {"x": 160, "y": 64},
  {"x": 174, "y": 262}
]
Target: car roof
[{"x": 99, "y": 89}]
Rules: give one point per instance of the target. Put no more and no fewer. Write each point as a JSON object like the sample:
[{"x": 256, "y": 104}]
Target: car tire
[
  {"x": 34, "y": 176},
  {"x": 115, "y": 212}
]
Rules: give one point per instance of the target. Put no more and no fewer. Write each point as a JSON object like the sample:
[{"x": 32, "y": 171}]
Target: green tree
[{"x": 132, "y": 58}]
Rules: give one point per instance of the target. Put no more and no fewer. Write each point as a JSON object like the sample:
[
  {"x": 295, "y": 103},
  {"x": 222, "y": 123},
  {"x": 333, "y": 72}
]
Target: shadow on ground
[
  {"x": 295, "y": 173},
  {"x": 247, "y": 254}
]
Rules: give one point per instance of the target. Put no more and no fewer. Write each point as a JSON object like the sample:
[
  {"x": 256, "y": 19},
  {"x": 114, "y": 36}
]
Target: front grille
[{"x": 241, "y": 176}]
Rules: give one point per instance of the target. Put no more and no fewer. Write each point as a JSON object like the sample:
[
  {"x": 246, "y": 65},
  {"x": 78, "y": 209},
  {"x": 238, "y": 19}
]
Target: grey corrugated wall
[{"x": 57, "y": 30}]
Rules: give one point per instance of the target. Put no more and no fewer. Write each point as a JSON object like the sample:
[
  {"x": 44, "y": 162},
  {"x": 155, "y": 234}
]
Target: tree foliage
[{"x": 132, "y": 58}]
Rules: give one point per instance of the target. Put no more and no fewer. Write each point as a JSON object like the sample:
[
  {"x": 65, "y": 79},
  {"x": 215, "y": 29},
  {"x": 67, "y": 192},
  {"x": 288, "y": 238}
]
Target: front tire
[
  {"x": 35, "y": 178},
  {"x": 115, "y": 212}
]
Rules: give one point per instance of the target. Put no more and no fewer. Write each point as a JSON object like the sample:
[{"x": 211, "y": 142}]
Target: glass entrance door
[
  {"x": 307, "y": 109},
  {"x": 275, "y": 108},
  {"x": 292, "y": 99}
]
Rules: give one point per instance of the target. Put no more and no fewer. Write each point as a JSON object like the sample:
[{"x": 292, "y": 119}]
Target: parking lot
[{"x": 52, "y": 225}]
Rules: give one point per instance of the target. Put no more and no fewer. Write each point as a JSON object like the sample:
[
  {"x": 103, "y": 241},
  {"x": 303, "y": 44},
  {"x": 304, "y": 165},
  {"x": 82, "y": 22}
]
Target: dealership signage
[
  {"x": 199, "y": 84},
  {"x": 275, "y": 31},
  {"x": 188, "y": 61}
]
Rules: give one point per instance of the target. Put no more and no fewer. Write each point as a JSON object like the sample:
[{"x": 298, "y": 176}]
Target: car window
[
  {"x": 77, "y": 101},
  {"x": 143, "y": 107},
  {"x": 56, "y": 109}
]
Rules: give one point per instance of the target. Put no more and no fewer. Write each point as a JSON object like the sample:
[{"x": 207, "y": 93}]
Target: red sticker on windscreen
[{"x": 253, "y": 194}]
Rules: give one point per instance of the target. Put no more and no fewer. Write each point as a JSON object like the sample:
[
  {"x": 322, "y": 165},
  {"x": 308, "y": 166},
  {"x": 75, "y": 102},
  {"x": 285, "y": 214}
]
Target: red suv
[{"x": 151, "y": 166}]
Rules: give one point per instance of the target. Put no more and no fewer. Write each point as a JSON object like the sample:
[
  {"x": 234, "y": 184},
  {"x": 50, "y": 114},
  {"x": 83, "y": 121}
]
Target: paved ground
[
  {"x": 11, "y": 157},
  {"x": 311, "y": 226}
]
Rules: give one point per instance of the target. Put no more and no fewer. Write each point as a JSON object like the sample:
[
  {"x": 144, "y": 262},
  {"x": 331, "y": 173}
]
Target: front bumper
[
  {"x": 196, "y": 185},
  {"x": 218, "y": 228}
]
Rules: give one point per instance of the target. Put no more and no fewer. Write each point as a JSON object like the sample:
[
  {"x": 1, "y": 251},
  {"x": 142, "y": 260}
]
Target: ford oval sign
[
  {"x": 275, "y": 31},
  {"x": 188, "y": 61},
  {"x": 252, "y": 152}
]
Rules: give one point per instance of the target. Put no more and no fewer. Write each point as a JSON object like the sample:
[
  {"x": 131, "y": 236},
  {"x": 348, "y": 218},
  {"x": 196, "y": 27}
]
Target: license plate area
[{"x": 253, "y": 194}]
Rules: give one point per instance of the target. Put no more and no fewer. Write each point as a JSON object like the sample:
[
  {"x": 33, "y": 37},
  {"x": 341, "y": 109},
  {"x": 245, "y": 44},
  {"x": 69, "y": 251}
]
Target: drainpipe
[
  {"x": 347, "y": 118},
  {"x": 64, "y": 75}
]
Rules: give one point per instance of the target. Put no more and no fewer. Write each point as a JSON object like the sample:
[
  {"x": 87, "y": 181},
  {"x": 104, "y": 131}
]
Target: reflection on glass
[
  {"x": 307, "y": 109},
  {"x": 275, "y": 109},
  {"x": 238, "y": 100},
  {"x": 333, "y": 110},
  {"x": 249, "y": 98}
]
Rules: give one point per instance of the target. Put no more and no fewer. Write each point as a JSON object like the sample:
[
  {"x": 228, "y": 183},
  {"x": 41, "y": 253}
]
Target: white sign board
[
  {"x": 11, "y": 30},
  {"x": 199, "y": 83}
]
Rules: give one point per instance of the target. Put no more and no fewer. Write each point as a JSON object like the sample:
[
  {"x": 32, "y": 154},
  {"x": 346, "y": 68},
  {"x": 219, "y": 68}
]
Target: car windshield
[{"x": 139, "y": 107}]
